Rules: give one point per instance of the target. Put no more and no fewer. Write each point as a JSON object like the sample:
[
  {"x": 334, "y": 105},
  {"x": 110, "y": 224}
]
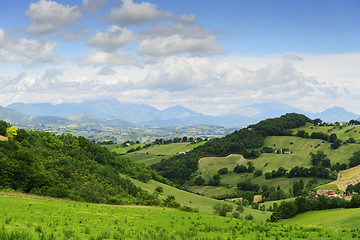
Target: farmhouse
[{"x": 327, "y": 193}]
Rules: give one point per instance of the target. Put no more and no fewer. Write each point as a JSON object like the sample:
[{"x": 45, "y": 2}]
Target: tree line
[
  {"x": 70, "y": 167},
  {"x": 247, "y": 142}
]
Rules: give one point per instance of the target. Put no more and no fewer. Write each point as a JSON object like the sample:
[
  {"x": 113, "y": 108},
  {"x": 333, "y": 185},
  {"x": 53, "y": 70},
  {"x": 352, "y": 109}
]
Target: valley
[{"x": 250, "y": 179}]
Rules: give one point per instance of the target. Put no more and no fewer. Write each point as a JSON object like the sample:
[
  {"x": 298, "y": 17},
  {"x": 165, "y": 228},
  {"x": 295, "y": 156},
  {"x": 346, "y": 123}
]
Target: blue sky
[{"x": 210, "y": 56}]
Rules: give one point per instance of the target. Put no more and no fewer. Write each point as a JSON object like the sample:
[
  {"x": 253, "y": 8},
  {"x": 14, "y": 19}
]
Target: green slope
[
  {"x": 43, "y": 219},
  {"x": 204, "y": 204},
  {"x": 156, "y": 153},
  {"x": 346, "y": 218}
]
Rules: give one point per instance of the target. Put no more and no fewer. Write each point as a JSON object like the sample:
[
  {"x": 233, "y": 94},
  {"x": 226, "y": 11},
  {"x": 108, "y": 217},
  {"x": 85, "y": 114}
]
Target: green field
[
  {"x": 343, "y": 132},
  {"x": 33, "y": 219},
  {"x": 300, "y": 156},
  {"x": 119, "y": 149},
  {"x": 204, "y": 204},
  {"x": 300, "y": 148},
  {"x": 155, "y": 153},
  {"x": 346, "y": 218}
]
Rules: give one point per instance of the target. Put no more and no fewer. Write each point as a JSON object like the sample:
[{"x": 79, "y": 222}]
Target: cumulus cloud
[
  {"x": 49, "y": 16},
  {"x": 99, "y": 58},
  {"x": 93, "y": 5},
  {"x": 188, "y": 19},
  {"x": 26, "y": 51},
  {"x": 132, "y": 13},
  {"x": 166, "y": 46},
  {"x": 176, "y": 39},
  {"x": 114, "y": 38},
  {"x": 70, "y": 36},
  {"x": 106, "y": 71}
]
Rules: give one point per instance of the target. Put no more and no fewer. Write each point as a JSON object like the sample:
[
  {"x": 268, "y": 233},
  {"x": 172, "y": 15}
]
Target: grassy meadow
[
  {"x": 203, "y": 204},
  {"x": 24, "y": 218},
  {"x": 344, "y": 218},
  {"x": 155, "y": 153}
]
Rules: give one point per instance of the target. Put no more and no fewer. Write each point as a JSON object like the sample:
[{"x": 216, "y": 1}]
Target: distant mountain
[
  {"x": 262, "y": 111},
  {"x": 10, "y": 115},
  {"x": 179, "y": 111},
  {"x": 15, "y": 117},
  {"x": 111, "y": 111},
  {"x": 335, "y": 114}
]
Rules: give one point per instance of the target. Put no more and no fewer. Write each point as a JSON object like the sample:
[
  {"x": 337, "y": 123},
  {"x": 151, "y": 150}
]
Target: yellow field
[
  {"x": 345, "y": 178},
  {"x": 2, "y": 138}
]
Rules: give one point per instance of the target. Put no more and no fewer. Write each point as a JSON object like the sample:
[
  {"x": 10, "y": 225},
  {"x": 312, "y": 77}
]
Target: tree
[
  {"x": 223, "y": 171},
  {"x": 222, "y": 209},
  {"x": 215, "y": 181},
  {"x": 159, "y": 190},
  {"x": 317, "y": 121},
  {"x": 3, "y": 126},
  {"x": 258, "y": 173},
  {"x": 199, "y": 181},
  {"x": 332, "y": 138},
  {"x": 11, "y": 131},
  {"x": 240, "y": 169},
  {"x": 336, "y": 144},
  {"x": 297, "y": 188},
  {"x": 240, "y": 208}
]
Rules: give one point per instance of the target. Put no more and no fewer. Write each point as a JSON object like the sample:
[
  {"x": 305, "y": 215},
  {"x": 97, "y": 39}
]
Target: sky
[{"x": 214, "y": 57}]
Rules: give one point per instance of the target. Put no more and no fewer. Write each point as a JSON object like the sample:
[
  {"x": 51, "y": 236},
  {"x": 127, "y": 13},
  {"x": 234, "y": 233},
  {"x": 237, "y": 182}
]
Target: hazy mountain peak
[{"x": 179, "y": 111}]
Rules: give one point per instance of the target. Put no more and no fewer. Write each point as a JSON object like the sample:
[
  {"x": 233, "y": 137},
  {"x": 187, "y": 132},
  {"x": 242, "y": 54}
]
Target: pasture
[
  {"x": 345, "y": 218},
  {"x": 33, "y": 219},
  {"x": 155, "y": 153},
  {"x": 203, "y": 204}
]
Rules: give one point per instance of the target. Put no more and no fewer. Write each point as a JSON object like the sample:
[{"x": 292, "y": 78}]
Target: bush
[
  {"x": 222, "y": 209},
  {"x": 223, "y": 171}
]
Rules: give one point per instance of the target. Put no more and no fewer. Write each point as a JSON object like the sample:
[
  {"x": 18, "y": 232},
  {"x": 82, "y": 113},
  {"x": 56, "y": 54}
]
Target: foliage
[
  {"x": 11, "y": 132},
  {"x": 246, "y": 141},
  {"x": 68, "y": 220},
  {"x": 288, "y": 209},
  {"x": 355, "y": 159},
  {"x": 222, "y": 209},
  {"x": 70, "y": 167},
  {"x": 3, "y": 127},
  {"x": 223, "y": 171}
]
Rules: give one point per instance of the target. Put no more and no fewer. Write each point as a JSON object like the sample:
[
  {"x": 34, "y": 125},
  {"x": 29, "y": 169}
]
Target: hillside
[
  {"x": 344, "y": 218},
  {"x": 26, "y": 218},
  {"x": 70, "y": 167},
  {"x": 265, "y": 163}
]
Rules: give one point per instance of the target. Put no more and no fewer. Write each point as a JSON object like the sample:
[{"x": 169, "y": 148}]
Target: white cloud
[
  {"x": 99, "y": 58},
  {"x": 188, "y": 19},
  {"x": 93, "y": 5},
  {"x": 49, "y": 16},
  {"x": 114, "y": 38},
  {"x": 26, "y": 51},
  {"x": 175, "y": 44},
  {"x": 105, "y": 71},
  {"x": 131, "y": 13}
]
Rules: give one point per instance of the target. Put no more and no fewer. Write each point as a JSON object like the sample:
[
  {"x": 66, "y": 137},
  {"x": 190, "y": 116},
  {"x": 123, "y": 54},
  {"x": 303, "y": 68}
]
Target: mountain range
[{"x": 112, "y": 112}]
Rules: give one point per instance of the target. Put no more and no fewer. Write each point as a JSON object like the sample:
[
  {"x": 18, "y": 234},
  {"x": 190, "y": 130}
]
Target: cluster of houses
[
  {"x": 183, "y": 153},
  {"x": 327, "y": 193}
]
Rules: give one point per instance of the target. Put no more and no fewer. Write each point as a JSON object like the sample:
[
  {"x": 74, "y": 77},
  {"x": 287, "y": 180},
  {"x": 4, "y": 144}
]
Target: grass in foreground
[{"x": 43, "y": 219}]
